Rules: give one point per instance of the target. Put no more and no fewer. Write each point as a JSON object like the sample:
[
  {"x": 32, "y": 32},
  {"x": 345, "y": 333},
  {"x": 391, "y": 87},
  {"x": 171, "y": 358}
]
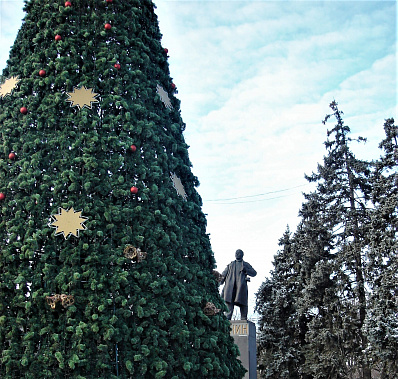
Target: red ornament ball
[
  {"x": 2, "y": 196},
  {"x": 173, "y": 86},
  {"x": 117, "y": 66},
  {"x": 134, "y": 190},
  {"x": 42, "y": 73},
  {"x": 68, "y": 4},
  {"x": 166, "y": 50},
  {"x": 58, "y": 37},
  {"x": 108, "y": 26},
  {"x": 133, "y": 148},
  {"x": 108, "y": 1},
  {"x": 11, "y": 156},
  {"x": 23, "y": 110}
]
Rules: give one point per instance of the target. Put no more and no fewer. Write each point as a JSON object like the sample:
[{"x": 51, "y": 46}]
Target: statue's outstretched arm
[{"x": 250, "y": 270}]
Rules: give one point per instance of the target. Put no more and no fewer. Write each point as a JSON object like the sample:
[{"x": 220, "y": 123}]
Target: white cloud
[{"x": 11, "y": 15}]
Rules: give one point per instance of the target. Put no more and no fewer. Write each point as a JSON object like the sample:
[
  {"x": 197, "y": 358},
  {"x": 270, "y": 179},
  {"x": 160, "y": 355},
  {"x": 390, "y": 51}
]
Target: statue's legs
[
  {"x": 230, "y": 310},
  {"x": 243, "y": 312},
  {"x": 231, "y": 305}
]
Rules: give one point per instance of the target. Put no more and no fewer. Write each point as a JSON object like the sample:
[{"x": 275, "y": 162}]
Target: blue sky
[{"x": 255, "y": 79}]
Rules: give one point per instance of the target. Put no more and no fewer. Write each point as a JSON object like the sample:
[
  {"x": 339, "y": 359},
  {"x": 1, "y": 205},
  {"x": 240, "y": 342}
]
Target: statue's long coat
[{"x": 229, "y": 277}]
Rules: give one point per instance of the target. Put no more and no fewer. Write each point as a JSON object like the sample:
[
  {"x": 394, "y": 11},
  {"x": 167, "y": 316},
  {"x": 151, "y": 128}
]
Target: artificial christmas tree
[{"x": 98, "y": 280}]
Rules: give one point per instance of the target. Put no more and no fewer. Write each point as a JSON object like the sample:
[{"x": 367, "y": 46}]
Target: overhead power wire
[
  {"x": 257, "y": 195},
  {"x": 253, "y": 201}
]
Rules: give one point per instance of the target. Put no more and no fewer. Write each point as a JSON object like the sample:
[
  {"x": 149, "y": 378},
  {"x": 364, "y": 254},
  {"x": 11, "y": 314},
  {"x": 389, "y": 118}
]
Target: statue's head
[{"x": 239, "y": 255}]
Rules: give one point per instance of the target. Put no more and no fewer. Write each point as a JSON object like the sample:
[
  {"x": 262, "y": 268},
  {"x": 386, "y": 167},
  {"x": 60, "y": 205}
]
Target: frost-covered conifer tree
[
  {"x": 382, "y": 317},
  {"x": 343, "y": 192}
]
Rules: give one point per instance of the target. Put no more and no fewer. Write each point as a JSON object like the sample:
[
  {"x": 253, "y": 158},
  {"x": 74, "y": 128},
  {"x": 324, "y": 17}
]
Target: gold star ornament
[
  {"x": 178, "y": 186},
  {"x": 9, "y": 84},
  {"x": 164, "y": 96},
  {"x": 82, "y": 97},
  {"x": 68, "y": 222}
]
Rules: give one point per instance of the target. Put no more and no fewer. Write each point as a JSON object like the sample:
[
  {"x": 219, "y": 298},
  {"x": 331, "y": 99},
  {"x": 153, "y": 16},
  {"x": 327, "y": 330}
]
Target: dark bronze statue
[{"x": 235, "y": 277}]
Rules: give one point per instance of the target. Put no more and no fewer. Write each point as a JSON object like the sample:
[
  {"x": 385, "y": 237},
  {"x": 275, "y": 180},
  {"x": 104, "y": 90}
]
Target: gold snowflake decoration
[
  {"x": 9, "y": 84},
  {"x": 68, "y": 222},
  {"x": 164, "y": 96},
  {"x": 135, "y": 254},
  {"x": 178, "y": 186},
  {"x": 210, "y": 309},
  {"x": 82, "y": 97}
]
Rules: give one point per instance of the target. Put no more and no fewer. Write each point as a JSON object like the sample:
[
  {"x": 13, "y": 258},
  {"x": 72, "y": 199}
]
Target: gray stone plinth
[{"x": 244, "y": 334}]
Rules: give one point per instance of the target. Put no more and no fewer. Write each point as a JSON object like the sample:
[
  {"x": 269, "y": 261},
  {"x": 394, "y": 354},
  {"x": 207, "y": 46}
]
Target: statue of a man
[{"x": 235, "y": 288}]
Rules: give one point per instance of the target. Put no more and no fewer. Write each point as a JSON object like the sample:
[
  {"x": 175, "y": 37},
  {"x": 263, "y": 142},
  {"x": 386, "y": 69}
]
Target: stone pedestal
[{"x": 244, "y": 334}]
